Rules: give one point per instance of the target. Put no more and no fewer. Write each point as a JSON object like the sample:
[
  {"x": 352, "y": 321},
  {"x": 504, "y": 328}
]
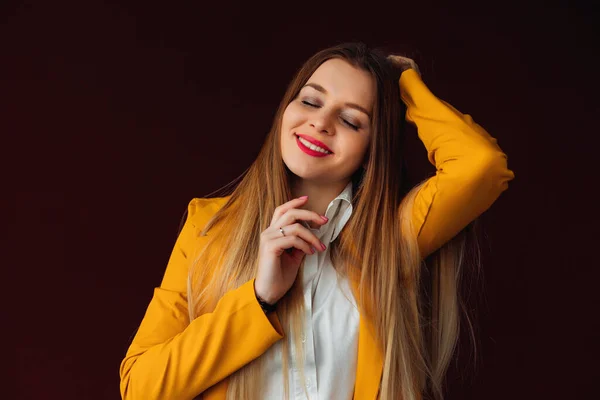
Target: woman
[{"x": 321, "y": 245}]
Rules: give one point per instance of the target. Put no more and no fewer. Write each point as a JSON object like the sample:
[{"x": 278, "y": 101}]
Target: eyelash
[{"x": 309, "y": 104}]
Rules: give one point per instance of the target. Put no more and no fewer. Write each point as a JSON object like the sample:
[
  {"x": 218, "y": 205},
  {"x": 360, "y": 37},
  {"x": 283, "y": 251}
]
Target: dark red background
[{"x": 115, "y": 114}]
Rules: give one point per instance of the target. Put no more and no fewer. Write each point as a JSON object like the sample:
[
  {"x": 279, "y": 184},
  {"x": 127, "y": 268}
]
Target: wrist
[
  {"x": 267, "y": 305},
  {"x": 414, "y": 68}
]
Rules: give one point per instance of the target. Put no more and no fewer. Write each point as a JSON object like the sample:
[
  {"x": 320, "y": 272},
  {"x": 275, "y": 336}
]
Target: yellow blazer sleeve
[
  {"x": 471, "y": 169},
  {"x": 171, "y": 358}
]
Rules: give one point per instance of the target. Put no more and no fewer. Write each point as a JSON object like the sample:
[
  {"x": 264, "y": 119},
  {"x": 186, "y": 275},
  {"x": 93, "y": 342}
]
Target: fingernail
[
  {"x": 312, "y": 249},
  {"x": 324, "y": 218},
  {"x": 303, "y": 197},
  {"x": 323, "y": 246}
]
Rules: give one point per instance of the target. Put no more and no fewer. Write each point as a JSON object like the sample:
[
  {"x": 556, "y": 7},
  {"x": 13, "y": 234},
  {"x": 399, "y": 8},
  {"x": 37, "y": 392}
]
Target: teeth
[{"x": 312, "y": 146}]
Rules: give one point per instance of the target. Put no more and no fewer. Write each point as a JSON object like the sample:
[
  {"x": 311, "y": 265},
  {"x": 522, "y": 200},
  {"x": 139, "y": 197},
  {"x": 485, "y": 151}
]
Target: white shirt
[{"x": 330, "y": 335}]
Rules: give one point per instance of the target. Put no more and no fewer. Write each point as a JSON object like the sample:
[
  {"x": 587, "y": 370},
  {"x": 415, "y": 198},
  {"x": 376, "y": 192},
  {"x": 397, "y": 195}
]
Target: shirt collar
[
  {"x": 338, "y": 211},
  {"x": 344, "y": 210}
]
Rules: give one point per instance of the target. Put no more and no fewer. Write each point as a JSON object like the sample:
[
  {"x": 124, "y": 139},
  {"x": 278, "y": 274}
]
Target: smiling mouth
[
  {"x": 313, "y": 146},
  {"x": 310, "y": 148}
]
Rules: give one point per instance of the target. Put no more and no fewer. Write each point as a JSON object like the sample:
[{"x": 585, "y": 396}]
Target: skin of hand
[
  {"x": 403, "y": 63},
  {"x": 280, "y": 256}
]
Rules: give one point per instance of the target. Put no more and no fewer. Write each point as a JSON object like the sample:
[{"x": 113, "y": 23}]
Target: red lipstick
[
  {"x": 310, "y": 152},
  {"x": 314, "y": 141}
]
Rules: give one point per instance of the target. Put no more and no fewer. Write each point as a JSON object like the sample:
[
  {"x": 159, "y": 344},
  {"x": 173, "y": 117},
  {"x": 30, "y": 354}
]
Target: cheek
[
  {"x": 288, "y": 121},
  {"x": 357, "y": 146},
  {"x": 356, "y": 151},
  {"x": 291, "y": 117}
]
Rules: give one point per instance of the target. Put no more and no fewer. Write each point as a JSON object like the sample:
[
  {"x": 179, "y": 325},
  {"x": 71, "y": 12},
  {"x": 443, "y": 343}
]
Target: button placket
[
  {"x": 309, "y": 350},
  {"x": 310, "y": 271}
]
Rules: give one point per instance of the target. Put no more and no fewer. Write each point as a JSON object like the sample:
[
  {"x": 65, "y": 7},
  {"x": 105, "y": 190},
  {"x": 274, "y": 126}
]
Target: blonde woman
[{"x": 305, "y": 281}]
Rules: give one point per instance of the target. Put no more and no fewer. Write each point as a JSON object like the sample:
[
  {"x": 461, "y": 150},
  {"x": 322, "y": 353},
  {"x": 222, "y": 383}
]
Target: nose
[{"x": 322, "y": 122}]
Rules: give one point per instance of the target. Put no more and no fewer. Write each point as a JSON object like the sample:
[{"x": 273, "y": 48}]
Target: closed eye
[
  {"x": 308, "y": 103},
  {"x": 350, "y": 125},
  {"x": 344, "y": 121}
]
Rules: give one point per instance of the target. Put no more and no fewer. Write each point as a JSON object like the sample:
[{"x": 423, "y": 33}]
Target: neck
[{"x": 319, "y": 195}]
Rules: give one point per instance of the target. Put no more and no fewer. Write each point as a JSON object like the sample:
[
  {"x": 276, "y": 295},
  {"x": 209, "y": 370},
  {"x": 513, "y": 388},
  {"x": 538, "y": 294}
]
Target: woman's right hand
[{"x": 277, "y": 268}]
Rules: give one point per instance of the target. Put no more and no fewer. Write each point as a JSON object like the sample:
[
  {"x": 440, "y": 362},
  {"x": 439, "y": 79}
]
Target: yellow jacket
[{"x": 171, "y": 358}]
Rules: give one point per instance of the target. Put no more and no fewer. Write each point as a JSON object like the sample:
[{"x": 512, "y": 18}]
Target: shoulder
[{"x": 201, "y": 210}]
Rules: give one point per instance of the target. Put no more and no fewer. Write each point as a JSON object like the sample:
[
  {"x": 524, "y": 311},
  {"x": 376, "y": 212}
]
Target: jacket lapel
[{"x": 369, "y": 365}]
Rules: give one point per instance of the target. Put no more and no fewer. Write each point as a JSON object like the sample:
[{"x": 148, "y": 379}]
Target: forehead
[{"x": 345, "y": 82}]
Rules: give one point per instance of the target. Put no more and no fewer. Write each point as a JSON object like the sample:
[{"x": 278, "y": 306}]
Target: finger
[
  {"x": 282, "y": 209},
  {"x": 296, "y": 214},
  {"x": 302, "y": 232},
  {"x": 279, "y": 245}
]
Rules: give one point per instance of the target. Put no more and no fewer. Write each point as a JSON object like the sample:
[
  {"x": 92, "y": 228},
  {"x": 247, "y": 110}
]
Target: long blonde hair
[{"x": 416, "y": 322}]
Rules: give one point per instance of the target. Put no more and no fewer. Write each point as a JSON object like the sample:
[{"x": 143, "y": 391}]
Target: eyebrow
[{"x": 321, "y": 89}]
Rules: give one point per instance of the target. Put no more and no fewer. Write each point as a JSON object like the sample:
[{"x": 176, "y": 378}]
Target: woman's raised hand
[
  {"x": 403, "y": 63},
  {"x": 277, "y": 268}
]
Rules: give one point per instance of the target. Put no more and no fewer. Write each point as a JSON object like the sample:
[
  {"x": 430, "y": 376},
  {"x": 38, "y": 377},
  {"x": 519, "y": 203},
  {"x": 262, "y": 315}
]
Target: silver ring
[{"x": 281, "y": 230}]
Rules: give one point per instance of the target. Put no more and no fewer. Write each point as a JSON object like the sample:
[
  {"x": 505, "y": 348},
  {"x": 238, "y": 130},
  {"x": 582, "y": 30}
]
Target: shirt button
[
  {"x": 308, "y": 382},
  {"x": 303, "y": 337}
]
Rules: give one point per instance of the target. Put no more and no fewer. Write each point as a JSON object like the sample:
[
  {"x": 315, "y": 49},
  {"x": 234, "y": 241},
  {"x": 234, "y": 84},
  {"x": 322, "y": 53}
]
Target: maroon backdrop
[{"x": 115, "y": 114}]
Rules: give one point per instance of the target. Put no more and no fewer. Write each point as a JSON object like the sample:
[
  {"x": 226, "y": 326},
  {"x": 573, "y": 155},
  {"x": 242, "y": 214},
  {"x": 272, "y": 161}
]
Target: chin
[
  {"x": 302, "y": 167},
  {"x": 302, "y": 171}
]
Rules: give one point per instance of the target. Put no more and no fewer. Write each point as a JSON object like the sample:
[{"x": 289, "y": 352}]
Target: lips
[
  {"x": 314, "y": 141},
  {"x": 309, "y": 151}
]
